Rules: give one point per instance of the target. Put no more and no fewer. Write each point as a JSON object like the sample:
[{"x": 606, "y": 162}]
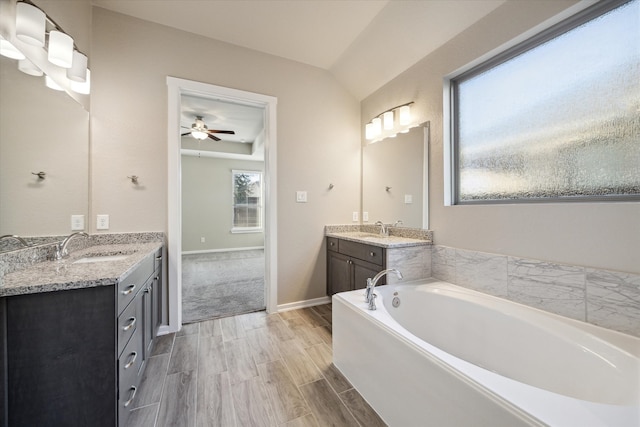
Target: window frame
[
  {"x": 239, "y": 230},
  {"x": 493, "y": 59}
]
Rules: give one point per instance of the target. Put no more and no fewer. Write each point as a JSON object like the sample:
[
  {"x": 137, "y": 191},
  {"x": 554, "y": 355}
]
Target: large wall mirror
[
  {"x": 41, "y": 130},
  {"x": 394, "y": 179}
]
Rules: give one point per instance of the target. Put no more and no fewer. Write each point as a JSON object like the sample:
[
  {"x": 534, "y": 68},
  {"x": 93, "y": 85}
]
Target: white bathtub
[{"x": 450, "y": 356}]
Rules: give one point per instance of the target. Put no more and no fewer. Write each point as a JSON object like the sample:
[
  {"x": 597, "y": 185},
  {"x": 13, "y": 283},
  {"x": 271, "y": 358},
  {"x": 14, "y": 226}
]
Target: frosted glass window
[{"x": 556, "y": 118}]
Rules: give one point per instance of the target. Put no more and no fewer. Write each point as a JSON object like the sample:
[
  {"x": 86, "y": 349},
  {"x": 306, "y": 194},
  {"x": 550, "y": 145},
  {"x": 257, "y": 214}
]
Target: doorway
[{"x": 178, "y": 90}]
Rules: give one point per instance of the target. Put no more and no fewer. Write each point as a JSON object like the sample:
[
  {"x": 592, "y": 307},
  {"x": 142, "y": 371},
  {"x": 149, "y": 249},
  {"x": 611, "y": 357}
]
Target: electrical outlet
[
  {"x": 301, "y": 196},
  {"x": 77, "y": 222},
  {"x": 365, "y": 216},
  {"x": 355, "y": 216},
  {"x": 408, "y": 198},
  {"x": 102, "y": 222},
  {"x": 202, "y": 240}
]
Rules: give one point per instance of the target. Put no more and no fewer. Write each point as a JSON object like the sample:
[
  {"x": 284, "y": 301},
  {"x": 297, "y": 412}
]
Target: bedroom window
[
  {"x": 247, "y": 201},
  {"x": 555, "y": 118}
]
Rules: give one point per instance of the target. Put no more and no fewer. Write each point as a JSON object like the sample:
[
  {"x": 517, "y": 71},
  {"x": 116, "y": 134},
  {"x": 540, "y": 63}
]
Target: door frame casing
[{"x": 176, "y": 88}]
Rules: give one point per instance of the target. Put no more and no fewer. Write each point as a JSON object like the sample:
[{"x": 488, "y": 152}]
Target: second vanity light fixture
[
  {"x": 389, "y": 123},
  {"x": 31, "y": 28}
]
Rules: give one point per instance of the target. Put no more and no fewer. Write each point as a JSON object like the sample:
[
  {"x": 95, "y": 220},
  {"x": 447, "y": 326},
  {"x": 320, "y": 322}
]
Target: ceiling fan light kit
[
  {"x": 60, "y": 50},
  {"x": 200, "y": 131}
]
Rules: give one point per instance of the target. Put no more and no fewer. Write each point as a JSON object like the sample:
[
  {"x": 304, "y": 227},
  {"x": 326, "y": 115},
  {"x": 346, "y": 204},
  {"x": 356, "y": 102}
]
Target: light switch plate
[
  {"x": 301, "y": 196},
  {"x": 102, "y": 222},
  {"x": 355, "y": 216},
  {"x": 77, "y": 222},
  {"x": 365, "y": 216},
  {"x": 408, "y": 198}
]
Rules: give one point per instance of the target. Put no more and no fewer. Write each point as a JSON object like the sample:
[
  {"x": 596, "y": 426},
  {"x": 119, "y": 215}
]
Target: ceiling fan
[{"x": 200, "y": 131}]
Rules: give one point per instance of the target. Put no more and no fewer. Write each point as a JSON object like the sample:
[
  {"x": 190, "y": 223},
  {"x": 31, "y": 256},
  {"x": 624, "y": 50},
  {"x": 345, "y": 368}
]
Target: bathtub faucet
[{"x": 371, "y": 284}]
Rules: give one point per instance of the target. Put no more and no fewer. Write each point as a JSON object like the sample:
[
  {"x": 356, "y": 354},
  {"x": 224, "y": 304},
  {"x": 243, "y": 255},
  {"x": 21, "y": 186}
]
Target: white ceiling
[{"x": 363, "y": 43}]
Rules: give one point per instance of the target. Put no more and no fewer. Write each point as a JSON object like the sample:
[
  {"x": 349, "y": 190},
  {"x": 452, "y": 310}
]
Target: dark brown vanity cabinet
[
  {"x": 350, "y": 264},
  {"x": 76, "y": 357}
]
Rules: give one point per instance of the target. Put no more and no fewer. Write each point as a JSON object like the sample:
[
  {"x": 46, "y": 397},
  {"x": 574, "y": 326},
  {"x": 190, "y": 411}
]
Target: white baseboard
[
  {"x": 206, "y": 251},
  {"x": 303, "y": 304}
]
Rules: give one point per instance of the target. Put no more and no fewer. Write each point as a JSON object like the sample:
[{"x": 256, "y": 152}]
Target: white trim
[
  {"x": 302, "y": 304},
  {"x": 207, "y": 251},
  {"x": 177, "y": 87},
  {"x": 426, "y": 134}
]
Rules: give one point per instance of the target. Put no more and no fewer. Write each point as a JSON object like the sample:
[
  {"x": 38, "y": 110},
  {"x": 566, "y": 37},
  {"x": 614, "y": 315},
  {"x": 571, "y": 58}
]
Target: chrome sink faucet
[
  {"x": 18, "y": 238},
  {"x": 383, "y": 229},
  {"x": 371, "y": 284},
  {"x": 61, "y": 248}
]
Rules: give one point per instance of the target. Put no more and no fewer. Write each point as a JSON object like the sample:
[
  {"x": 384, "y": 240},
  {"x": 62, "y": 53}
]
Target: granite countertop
[
  {"x": 48, "y": 276},
  {"x": 370, "y": 235}
]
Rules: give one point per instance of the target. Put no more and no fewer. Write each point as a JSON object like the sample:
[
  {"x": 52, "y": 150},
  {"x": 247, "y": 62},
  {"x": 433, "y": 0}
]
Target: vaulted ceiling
[{"x": 363, "y": 43}]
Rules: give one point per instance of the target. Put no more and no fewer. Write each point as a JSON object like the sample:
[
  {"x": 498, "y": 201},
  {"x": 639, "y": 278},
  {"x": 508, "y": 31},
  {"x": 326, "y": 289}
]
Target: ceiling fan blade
[
  {"x": 185, "y": 134},
  {"x": 215, "y": 138},
  {"x": 229, "y": 132},
  {"x": 186, "y": 127}
]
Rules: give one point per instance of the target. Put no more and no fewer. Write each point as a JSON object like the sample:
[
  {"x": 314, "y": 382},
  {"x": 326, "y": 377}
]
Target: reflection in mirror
[
  {"x": 41, "y": 130},
  {"x": 394, "y": 179}
]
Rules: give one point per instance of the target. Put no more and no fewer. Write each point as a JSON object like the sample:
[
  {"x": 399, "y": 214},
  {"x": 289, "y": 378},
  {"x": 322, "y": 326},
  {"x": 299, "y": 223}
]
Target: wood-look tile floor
[{"x": 250, "y": 370}]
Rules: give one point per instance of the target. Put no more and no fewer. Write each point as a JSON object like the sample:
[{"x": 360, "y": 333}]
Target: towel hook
[
  {"x": 40, "y": 175},
  {"x": 331, "y": 186},
  {"x": 388, "y": 188},
  {"x": 133, "y": 178}
]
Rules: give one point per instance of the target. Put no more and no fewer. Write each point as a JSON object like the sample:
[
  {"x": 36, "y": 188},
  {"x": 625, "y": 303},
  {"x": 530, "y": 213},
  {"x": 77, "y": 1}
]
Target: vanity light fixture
[
  {"x": 31, "y": 23},
  {"x": 60, "y": 49},
  {"x": 51, "y": 84},
  {"x": 34, "y": 26},
  {"x": 82, "y": 87},
  {"x": 9, "y": 50},
  {"x": 389, "y": 123},
  {"x": 28, "y": 67}
]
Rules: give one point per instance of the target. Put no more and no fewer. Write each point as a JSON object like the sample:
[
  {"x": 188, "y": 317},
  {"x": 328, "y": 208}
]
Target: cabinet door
[
  {"x": 339, "y": 273},
  {"x": 156, "y": 298},
  {"x": 147, "y": 302},
  {"x": 61, "y": 356},
  {"x": 363, "y": 270}
]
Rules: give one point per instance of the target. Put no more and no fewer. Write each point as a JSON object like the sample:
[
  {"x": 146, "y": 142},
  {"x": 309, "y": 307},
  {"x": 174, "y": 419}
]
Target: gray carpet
[{"x": 222, "y": 284}]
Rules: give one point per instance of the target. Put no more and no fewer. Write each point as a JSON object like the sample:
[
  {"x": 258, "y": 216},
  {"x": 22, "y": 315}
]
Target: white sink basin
[{"x": 105, "y": 258}]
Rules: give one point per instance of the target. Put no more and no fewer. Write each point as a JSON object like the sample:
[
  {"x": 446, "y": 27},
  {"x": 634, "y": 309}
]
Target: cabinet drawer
[
  {"x": 361, "y": 251},
  {"x": 332, "y": 244},
  {"x": 130, "y": 285},
  {"x": 128, "y": 322},
  {"x": 129, "y": 372}
]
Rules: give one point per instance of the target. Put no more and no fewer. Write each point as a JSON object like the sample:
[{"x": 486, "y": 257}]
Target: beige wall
[
  {"x": 206, "y": 204},
  {"x": 318, "y": 136},
  {"x": 602, "y": 235}
]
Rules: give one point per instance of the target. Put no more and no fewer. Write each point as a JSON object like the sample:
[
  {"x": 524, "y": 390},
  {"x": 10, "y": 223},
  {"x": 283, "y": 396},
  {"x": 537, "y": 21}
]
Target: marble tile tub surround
[
  {"x": 609, "y": 299},
  {"x": 25, "y": 258}
]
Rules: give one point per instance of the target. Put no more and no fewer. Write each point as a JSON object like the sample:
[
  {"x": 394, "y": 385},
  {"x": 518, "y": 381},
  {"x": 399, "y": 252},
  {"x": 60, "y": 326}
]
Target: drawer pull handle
[
  {"x": 332, "y": 244},
  {"x": 132, "y": 321},
  {"x": 132, "y": 361},
  {"x": 129, "y": 289},
  {"x": 133, "y": 390},
  {"x": 159, "y": 258},
  {"x": 372, "y": 254}
]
